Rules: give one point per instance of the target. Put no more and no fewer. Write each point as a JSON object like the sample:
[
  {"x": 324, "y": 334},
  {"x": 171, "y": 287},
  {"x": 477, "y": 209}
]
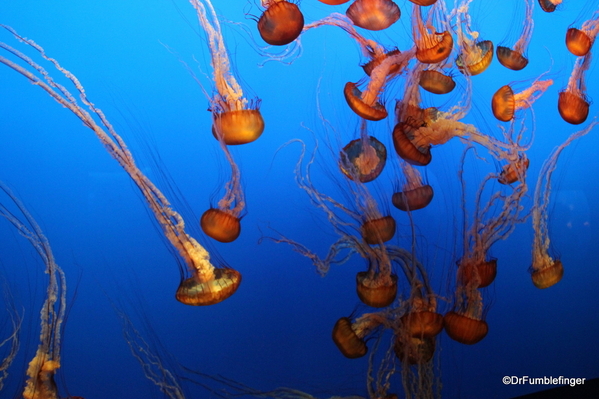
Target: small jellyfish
[
  {"x": 514, "y": 58},
  {"x": 549, "y": 5},
  {"x": 350, "y": 336},
  {"x": 546, "y": 271},
  {"x": 373, "y": 14},
  {"x": 505, "y": 103},
  {"x": 514, "y": 171},
  {"x": 431, "y": 46},
  {"x": 436, "y": 82},
  {"x": 414, "y": 193},
  {"x": 281, "y": 23},
  {"x": 364, "y": 158},
  {"x": 572, "y": 103},
  {"x": 475, "y": 55}
]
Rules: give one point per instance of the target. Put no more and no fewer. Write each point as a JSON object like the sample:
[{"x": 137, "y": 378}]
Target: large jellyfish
[
  {"x": 432, "y": 46},
  {"x": 580, "y": 41},
  {"x": 505, "y": 103},
  {"x": 545, "y": 270},
  {"x": 475, "y": 54},
  {"x": 281, "y": 23},
  {"x": 515, "y": 58},
  {"x": 207, "y": 285},
  {"x": 572, "y": 103},
  {"x": 42, "y": 368}
]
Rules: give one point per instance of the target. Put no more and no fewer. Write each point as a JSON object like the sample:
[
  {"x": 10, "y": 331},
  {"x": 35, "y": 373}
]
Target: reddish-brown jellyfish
[
  {"x": 207, "y": 285},
  {"x": 364, "y": 158},
  {"x": 580, "y": 41},
  {"x": 414, "y": 194},
  {"x": 505, "y": 103},
  {"x": 431, "y": 46},
  {"x": 350, "y": 336},
  {"x": 373, "y": 14},
  {"x": 475, "y": 55},
  {"x": 377, "y": 287},
  {"x": 514, "y": 58},
  {"x": 333, "y": 2},
  {"x": 572, "y": 103},
  {"x": 465, "y": 328},
  {"x": 436, "y": 82},
  {"x": 514, "y": 171},
  {"x": 281, "y": 23},
  {"x": 549, "y": 5},
  {"x": 366, "y": 103},
  {"x": 546, "y": 271}
]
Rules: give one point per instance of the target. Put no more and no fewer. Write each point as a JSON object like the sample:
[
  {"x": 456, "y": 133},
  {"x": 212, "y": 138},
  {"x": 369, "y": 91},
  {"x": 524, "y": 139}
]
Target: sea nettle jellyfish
[
  {"x": 207, "y": 285},
  {"x": 515, "y": 58},
  {"x": 281, "y": 23},
  {"x": 373, "y": 14},
  {"x": 572, "y": 103}
]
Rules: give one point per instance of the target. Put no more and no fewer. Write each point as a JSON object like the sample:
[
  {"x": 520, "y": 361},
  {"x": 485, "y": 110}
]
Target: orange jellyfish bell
[
  {"x": 373, "y": 63},
  {"x": 375, "y": 290},
  {"x": 484, "y": 272},
  {"x": 578, "y": 42},
  {"x": 347, "y": 341},
  {"x": 549, "y": 5},
  {"x": 373, "y": 14},
  {"x": 464, "y": 329},
  {"x": 406, "y": 149},
  {"x": 573, "y": 108},
  {"x": 238, "y": 126},
  {"x": 511, "y": 59},
  {"x": 361, "y": 163},
  {"x": 281, "y": 22},
  {"x": 514, "y": 171},
  {"x": 503, "y": 104},
  {"x": 412, "y": 200},
  {"x": 431, "y": 47},
  {"x": 220, "y": 225},
  {"x": 214, "y": 290},
  {"x": 377, "y": 231},
  {"x": 436, "y": 82},
  {"x": 476, "y": 59},
  {"x": 353, "y": 95},
  {"x": 546, "y": 277}
]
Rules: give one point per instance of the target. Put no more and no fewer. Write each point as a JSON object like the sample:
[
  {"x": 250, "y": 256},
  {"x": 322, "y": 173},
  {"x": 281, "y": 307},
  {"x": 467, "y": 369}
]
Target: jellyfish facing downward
[
  {"x": 207, "y": 285},
  {"x": 544, "y": 269},
  {"x": 40, "y": 382}
]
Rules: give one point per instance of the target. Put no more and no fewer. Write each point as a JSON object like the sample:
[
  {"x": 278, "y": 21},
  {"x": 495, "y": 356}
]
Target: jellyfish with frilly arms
[
  {"x": 515, "y": 58},
  {"x": 580, "y": 41},
  {"x": 207, "y": 284},
  {"x": 42, "y": 368},
  {"x": 546, "y": 271}
]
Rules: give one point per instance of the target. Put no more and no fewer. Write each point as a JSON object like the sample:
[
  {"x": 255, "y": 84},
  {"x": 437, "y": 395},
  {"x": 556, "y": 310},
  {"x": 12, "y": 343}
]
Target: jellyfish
[
  {"x": 572, "y": 103},
  {"x": 549, "y": 5},
  {"x": 363, "y": 158},
  {"x": 436, "y": 82},
  {"x": 432, "y": 46},
  {"x": 514, "y": 58},
  {"x": 415, "y": 194},
  {"x": 475, "y": 54},
  {"x": 42, "y": 368},
  {"x": 373, "y": 14},
  {"x": 281, "y": 23},
  {"x": 350, "y": 336},
  {"x": 580, "y": 41},
  {"x": 505, "y": 102},
  {"x": 207, "y": 285},
  {"x": 366, "y": 103},
  {"x": 546, "y": 271}
]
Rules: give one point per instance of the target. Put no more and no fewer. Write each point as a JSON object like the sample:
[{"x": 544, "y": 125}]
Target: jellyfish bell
[
  {"x": 209, "y": 290},
  {"x": 479, "y": 273},
  {"x": 503, "y": 104},
  {"x": 573, "y": 108},
  {"x": 549, "y": 5},
  {"x": 377, "y": 231},
  {"x": 436, "y": 82},
  {"x": 220, "y": 225},
  {"x": 422, "y": 324},
  {"x": 238, "y": 126},
  {"x": 464, "y": 329},
  {"x": 370, "y": 66},
  {"x": 281, "y": 23},
  {"x": 431, "y": 47},
  {"x": 376, "y": 289},
  {"x": 373, "y": 14},
  {"x": 363, "y": 162},
  {"x": 474, "y": 60},
  {"x": 347, "y": 341},
  {"x": 578, "y": 42},
  {"x": 511, "y": 59},
  {"x": 545, "y": 276},
  {"x": 414, "y": 199},
  {"x": 514, "y": 171},
  {"x": 353, "y": 96}
]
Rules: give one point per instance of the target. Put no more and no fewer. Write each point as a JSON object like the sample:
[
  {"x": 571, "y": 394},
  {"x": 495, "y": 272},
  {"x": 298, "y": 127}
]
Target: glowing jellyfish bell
[
  {"x": 373, "y": 14},
  {"x": 431, "y": 47},
  {"x": 414, "y": 194},
  {"x": 572, "y": 103},
  {"x": 549, "y": 5},
  {"x": 281, "y": 23},
  {"x": 475, "y": 55},
  {"x": 580, "y": 41},
  {"x": 363, "y": 159},
  {"x": 207, "y": 285},
  {"x": 514, "y": 58},
  {"x": 436, "y": 82}
]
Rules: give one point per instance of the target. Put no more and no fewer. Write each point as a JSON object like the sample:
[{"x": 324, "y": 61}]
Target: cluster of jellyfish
[{"x": 444, "y": 45}]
